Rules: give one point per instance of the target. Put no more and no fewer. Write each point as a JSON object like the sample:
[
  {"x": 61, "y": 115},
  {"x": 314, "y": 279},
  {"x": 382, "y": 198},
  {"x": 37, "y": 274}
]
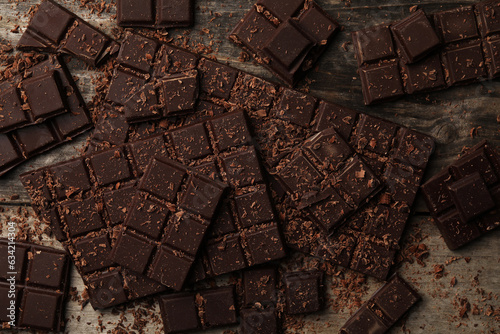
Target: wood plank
[{"x": 449, "y": 116}]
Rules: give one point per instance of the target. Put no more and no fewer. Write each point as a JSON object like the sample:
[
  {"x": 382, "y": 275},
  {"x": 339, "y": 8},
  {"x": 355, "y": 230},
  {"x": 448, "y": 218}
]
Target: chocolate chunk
[
  {"x": 326, "y": 156},
  {"x": 383, "y": 309},
  {"x": 199, "y": 310},
  {"x": 41, "y": 286},
  {"x": 464, "y": 198},
  {"x": 155, "y": 13},
  {"x": 53, "y": 113},
  {"x": 381, "y": 82},
  {"x": 415, "y": 37},
  {"x": 303, "y": 292},
  {"x": 163, "y": 245},
  {"x": 464, "y": 63},
  {"x": 255, "y": 321},
  {"x": 303, "y": 31},
  {"x": 55, "y": 29}
]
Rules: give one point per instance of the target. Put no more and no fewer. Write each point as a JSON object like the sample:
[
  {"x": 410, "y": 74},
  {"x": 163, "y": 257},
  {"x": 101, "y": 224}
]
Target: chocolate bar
[
  {"x": 285, "y": 37},
  {"x": 383, "y": 309},
  {"x": 464, "y": 199},
  {"x": 304, "y": 291},
  {"x": 188, "y": 311},
  {"x": 88, "y": 197},
  {"x": 166, "y": 222},
  {"x": 155, "y": 13},
  {"x": 413, "y": 56},
  {"x": 43, "y": 99},
  {"x": 55, "y": 29},
  {"x": 282, "y": 120},
  {"x": 53, "y": 113},
  {"x": 34, "y": 284},
  {"x": 325, "y": 178},
  {"x": 84, "y": 199}
]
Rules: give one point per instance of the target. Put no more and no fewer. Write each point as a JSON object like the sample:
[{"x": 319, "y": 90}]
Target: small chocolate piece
[
  {"x": 41, "y": 279},
  {"x": 259, "y": 286},
  {"x": 155, "y": 13},
  {"x": 415, "y": 37},
  {"x": 53, "y": 113},
  {"x": 464, "y": 198},
  {"x": 163, "y": 245},
  {"x": 383, "y": 309},
  {"x": 287, "y": 38},
  {"x": 180, "y": 92},
  {"x": 187, "y": 311},
  {"x": 304, "y": 292},
  {"x": 55, "y": 29}
]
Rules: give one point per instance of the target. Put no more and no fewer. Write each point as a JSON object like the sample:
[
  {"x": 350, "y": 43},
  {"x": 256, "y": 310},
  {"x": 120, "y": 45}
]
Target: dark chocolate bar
[
  {"x": 55, "y": 29},
  {"x": 383, "y": 309},
  {"x": 413, "y": 56},
  {"x": 155, "y": 13},
  {"x": 200, "y": 310},
  {"x": 37, "y": 99},
  {"x": 464, "y": 199},
  {"x": 54, "y": 113},
  {"x": 304, "y": 291},
  {"x": 89, "y": 197},
  {"x": 286, "y": 37},
  {"x": 282, "y": 119},
  {"x": 325, "y": 178},
  {"x": 166, "y": 222},
  {"x": 34, "y": 284}
]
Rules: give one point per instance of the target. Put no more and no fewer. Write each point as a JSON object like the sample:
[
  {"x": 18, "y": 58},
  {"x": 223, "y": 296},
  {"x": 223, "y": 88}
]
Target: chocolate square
[
  {"x": 242, "y": 168},
  {"x": 82, "y": 217},
  {"x": 147, "y": 217},
  {"x": 70, "y": 178},
  {"x": 381, "y": 82},
  {"x": 117, "y": 202},
  {"x": 471, "y": 197},
  {"x": 94, "y": 253},
  {"x": 170, "y": 269},
  {"x": 110, "y": 166},
  {"x": 295, "y": 107},
  {"x": 464, "y": 63},
  {"x": 217, "y": 79},
  {"x": 226, "y": 255},
  {"x": 303, "y": 292},
  {"x": 201, "y": 196},
  {"x": 185, "y": 233},
  {"x": 134, "y": 250},
  {"x": 230, "y": 130},
  {"x": 47, "y": 268},
  {"x": 456, "y": 24},
  {"x": 415, "y": 37},
  {"x": 11, "y": 109},
  {"x": 180, "y": 92},
  {"x": 254, "y": 208},
  {"x": 162, "y": 180},
  {"x": 179, "y": 313},
  {"x": 191, "y": 142},
  {"x": 373, "y": 44}
]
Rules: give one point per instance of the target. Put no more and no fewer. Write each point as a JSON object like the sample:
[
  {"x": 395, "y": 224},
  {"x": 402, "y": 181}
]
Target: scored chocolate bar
[
  {"x": 200, "y": 310},
  {"x": 53, "y": 113},
  {"x": 35, "y": 288},
  {"x": 155, "y": 13},
  {"x": 413, "y": 56},
  {"x": 84, "y": 199},
  {"x": 464, "y": 199},
  {"x": 282, "y": 119},
  {"x": 325, "y": 178},
  {"x": 287, "y": 37},
  {"x": 383, "y": 309},
  {"x": 166, "y": 222},
  {"x": 55, "y": 29}
]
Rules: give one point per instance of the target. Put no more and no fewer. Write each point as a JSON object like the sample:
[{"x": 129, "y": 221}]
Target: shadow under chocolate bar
[
  {"x": 55, "y": 29},
  {"x": 56, "y": 113}
]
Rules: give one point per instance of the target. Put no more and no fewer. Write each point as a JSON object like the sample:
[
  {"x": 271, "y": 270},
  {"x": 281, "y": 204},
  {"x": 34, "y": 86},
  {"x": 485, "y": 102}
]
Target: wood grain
[{"x": 448, "y": 115}]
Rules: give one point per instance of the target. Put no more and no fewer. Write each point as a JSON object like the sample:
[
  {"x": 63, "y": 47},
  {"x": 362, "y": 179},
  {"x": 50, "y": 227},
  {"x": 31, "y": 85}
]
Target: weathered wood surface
[{"x": 448, "y": 115}]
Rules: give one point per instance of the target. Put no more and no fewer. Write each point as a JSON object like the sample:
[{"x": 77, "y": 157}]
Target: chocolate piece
[
  {"x": 223, "y": 143},
  {"x": 182, "y": 312},
  {"x": 55, "y": 29},
  {"x": 254, "y": 321},
  {"x": 415, "y": 37},
  {"x": 39, "y": 282},
  {"x": 464, "y": 198},
  {"x": 287, "y": 38},
  {"x": 163, "y": 245},
  {"x": 383, "y": 309},
  {"x": 53, "y": 113},
  {"x": 259, "y": 287},
  {"x": 303, "y": 292},
  {"x": 155, "y": 13},
  {"x": 467, "y": 53},
  {"x": 326, "y": 180},
  {"x": 43, "y": 97}
]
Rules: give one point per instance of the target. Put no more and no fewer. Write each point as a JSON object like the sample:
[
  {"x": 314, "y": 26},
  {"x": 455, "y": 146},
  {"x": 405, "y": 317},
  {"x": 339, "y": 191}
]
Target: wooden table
[{"x": 450, "y": 116}]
